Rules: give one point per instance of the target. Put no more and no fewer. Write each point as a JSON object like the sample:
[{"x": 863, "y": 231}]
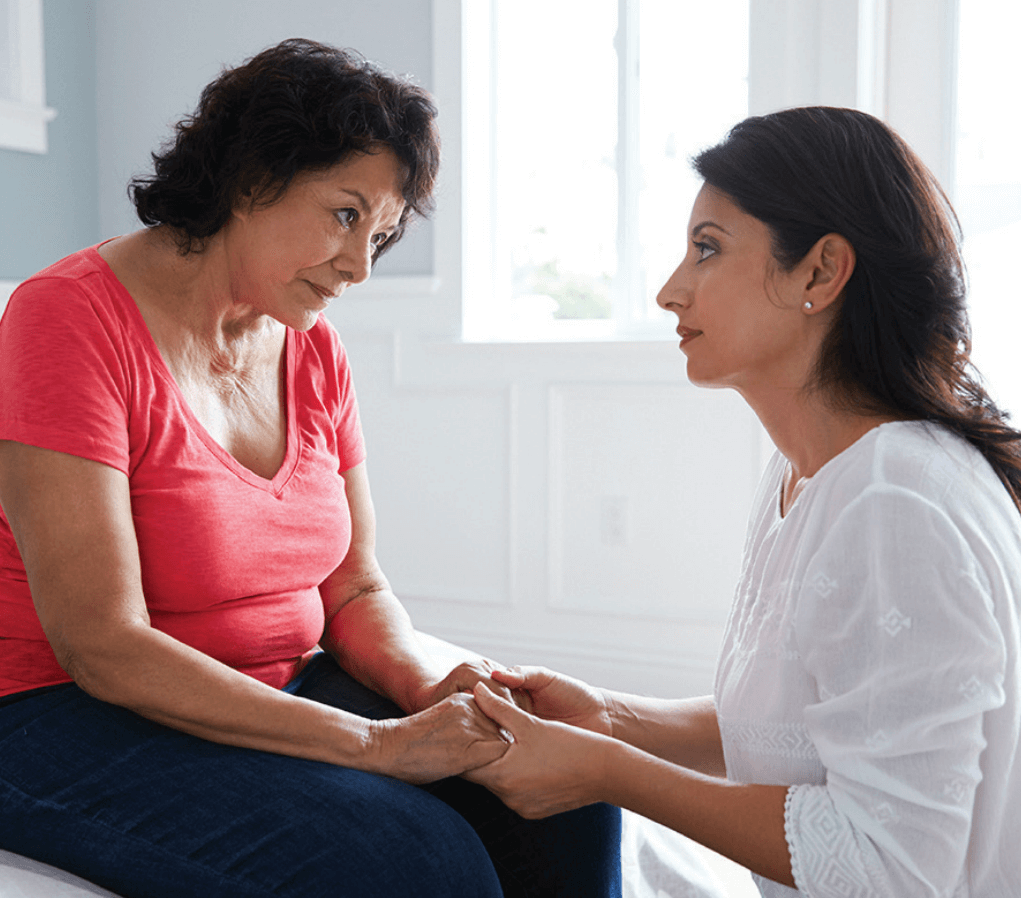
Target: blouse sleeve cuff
[{"x": 790, "y": 825}]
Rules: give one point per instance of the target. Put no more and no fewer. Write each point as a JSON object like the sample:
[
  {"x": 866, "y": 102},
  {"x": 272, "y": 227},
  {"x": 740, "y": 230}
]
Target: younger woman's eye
[
  {"x": 703, "y": 250},
  {"x": 346, "y": 217}
]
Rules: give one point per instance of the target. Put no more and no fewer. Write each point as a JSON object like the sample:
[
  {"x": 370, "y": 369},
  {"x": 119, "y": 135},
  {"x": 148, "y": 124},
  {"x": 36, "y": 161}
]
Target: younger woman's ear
[{"x": 828, "y": 267}]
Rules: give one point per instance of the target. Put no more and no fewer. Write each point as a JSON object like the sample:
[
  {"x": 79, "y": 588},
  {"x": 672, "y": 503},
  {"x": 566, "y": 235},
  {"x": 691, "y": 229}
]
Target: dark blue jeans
[{"x": 150, "y": 812}]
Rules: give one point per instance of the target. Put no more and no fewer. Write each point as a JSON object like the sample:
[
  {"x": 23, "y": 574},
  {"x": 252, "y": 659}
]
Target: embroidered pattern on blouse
[
  {"x": 884, "y": 813},
  {"x": 877, "y": 741},
  {"x": 957, "y": 790},
  {"x": 823, "y": 585},
  {"x": 760, "y": 625},
  {"x": 893, "y": 622},
  {"x": 825, "y": 858},
  {"x": 788, "y": 740},
  {"x": 972, "y": 688}
]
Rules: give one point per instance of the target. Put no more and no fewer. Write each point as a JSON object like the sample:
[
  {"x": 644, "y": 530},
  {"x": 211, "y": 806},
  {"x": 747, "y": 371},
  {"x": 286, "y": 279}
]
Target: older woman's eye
[
  {"x": 347, "y": 217},
  {"x": 380, "y": 240}
]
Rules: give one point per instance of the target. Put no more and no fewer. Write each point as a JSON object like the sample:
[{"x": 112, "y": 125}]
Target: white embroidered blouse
[{"x": 871, "y": 663}]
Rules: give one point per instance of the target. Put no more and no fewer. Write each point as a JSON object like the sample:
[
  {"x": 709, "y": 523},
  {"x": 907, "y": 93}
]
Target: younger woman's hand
[
  {"x": 550, "y": 767},
  {"x": 446, "y": 739},
  {"x": 554, "y": 696}
]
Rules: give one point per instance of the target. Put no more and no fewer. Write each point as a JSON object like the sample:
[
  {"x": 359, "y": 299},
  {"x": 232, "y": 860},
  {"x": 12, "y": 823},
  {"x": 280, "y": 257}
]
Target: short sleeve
[
  {"x": 897, "y": 628},
  {"x": 350, "y": 441},
  {"x": 63, "y": 384}
]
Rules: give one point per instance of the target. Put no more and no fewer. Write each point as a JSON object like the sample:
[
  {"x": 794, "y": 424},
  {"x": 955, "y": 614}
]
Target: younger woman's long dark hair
[{"x": 901, "y": 343}]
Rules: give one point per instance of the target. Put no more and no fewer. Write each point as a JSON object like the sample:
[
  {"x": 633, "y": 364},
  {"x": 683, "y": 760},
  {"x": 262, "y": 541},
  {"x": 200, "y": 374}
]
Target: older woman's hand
[
  {"x": 446, "y": 739},
  {"x": 462, "y": 679}
]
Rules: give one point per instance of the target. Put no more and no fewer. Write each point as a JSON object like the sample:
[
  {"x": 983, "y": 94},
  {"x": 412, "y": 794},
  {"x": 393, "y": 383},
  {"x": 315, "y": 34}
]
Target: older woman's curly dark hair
[{"x": 298, "y": 106}]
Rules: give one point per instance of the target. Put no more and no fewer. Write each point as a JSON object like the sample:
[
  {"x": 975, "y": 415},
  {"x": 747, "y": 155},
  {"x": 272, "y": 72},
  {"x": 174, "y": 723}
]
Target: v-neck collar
[{"x": 276, "y": 483}]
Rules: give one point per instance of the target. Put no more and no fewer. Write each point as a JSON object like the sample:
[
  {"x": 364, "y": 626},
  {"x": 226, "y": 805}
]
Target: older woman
[
  {"x": 187, "y": 518},
  {"x": 863, "y": 737}
]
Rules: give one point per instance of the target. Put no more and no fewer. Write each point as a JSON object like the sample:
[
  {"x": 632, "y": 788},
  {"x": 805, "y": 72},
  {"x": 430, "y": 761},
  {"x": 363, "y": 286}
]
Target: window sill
[
  {"x": 566, "y": 332},
  {"x": 23, "y": 126}
]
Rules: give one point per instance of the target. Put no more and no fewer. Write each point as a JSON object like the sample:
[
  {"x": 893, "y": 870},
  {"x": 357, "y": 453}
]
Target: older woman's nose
[{"x": 354, "y": 261}]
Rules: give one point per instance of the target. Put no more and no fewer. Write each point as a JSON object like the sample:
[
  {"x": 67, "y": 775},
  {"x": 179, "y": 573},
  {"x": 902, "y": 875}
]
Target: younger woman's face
[{"x": 740, "y": 318}]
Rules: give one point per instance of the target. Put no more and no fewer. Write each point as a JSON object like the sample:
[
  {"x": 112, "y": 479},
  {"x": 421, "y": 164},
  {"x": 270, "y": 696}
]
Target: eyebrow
[
  {"x": 364, "y": 203},
  {"x": 702, "y": 225},
  {"x": 358, "y": 196}
]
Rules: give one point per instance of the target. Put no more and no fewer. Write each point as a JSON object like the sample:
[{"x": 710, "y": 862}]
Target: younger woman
[{"x": 863, "y": 735}]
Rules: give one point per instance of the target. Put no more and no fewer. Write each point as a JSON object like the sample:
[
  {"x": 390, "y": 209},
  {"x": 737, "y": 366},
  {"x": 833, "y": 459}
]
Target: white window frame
[
  {"x": 893, "y": 58},
  {"x": 24, "y": 115}
]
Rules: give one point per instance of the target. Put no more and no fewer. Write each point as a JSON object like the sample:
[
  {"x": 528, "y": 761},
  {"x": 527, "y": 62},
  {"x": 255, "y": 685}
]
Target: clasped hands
[{"x": 531, "y": 736}]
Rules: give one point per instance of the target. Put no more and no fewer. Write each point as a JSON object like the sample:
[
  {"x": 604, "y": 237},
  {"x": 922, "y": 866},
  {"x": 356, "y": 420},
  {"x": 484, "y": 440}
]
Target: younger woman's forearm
[
  {"x": 744, "y": 822},
  {"x": 682, "y": 731}
]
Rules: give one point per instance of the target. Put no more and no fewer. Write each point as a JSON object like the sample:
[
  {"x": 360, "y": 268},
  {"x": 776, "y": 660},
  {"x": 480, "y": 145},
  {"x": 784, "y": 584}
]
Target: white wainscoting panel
[
  {"x": 440, "y": 465},
  {"x": 650, "y": 487}
]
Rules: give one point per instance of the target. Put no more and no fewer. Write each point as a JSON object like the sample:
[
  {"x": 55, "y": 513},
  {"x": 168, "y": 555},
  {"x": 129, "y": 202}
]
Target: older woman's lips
[{"x": 324, "y": 293}]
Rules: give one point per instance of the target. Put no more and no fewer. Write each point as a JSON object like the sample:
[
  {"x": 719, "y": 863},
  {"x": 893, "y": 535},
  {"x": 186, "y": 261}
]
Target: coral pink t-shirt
[{"x": 231, "y": 562}]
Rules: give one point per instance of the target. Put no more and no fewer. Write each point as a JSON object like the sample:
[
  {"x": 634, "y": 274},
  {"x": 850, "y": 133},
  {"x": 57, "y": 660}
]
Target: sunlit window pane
[
  {"x": 988, "y": 187},
  {"x": 589, "y": 223},
  {"x": 694, "y": 88},
  {"x": 556, "y": 132}
]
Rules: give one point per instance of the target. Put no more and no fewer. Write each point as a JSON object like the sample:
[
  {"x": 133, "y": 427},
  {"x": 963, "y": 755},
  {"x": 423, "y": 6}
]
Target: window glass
[
  {"x": 694, "y": 88},
  {"x": 988, "y": 187},
  {"x": 589, "y": 221},
  {"x": 556, "y": 130}
]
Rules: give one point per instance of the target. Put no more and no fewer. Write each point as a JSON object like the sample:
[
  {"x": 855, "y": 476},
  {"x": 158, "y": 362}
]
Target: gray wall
[
  {"x": 154, "y": 57},
  {"x": 50, "y": 202}
]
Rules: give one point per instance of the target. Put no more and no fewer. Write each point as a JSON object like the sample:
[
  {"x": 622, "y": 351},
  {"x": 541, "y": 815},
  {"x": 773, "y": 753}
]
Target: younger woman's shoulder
[
  {"x": 922, "y": 462},
  {"x": 926, "y": 457}
]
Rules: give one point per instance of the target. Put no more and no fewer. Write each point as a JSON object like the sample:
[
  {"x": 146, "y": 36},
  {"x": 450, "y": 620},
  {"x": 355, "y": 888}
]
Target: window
[
  {"x": 580, "y": 119},
  {"x": 988, "y": 187},
  {"x": 23, "y": 111}
]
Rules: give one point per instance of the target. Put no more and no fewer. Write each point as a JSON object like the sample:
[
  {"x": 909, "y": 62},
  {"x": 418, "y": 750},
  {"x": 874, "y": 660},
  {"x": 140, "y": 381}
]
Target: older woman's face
[
  {"x": 289, "y": 259},
  {"x": 739, "y": 315}
]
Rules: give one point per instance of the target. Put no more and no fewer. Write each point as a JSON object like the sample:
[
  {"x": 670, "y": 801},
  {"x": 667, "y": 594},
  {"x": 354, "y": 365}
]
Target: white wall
[{"x": 575, "y": 505}]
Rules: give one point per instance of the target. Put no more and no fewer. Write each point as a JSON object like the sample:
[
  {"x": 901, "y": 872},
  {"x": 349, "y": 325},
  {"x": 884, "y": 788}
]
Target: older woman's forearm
[
  {"x": 156, "y": 676},
  {"x": 372, "y": 638}
]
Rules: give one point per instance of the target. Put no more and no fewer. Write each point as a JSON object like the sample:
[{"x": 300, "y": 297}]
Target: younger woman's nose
[{"x": 671, "y": 294}]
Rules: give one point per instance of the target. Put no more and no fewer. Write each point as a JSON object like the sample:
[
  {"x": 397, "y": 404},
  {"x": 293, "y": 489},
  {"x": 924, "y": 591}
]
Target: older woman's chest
[{"x": 244, "y": 411}]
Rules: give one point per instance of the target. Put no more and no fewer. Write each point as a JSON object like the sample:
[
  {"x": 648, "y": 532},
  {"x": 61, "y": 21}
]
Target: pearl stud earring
[{"x": 809, "y": 306}]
